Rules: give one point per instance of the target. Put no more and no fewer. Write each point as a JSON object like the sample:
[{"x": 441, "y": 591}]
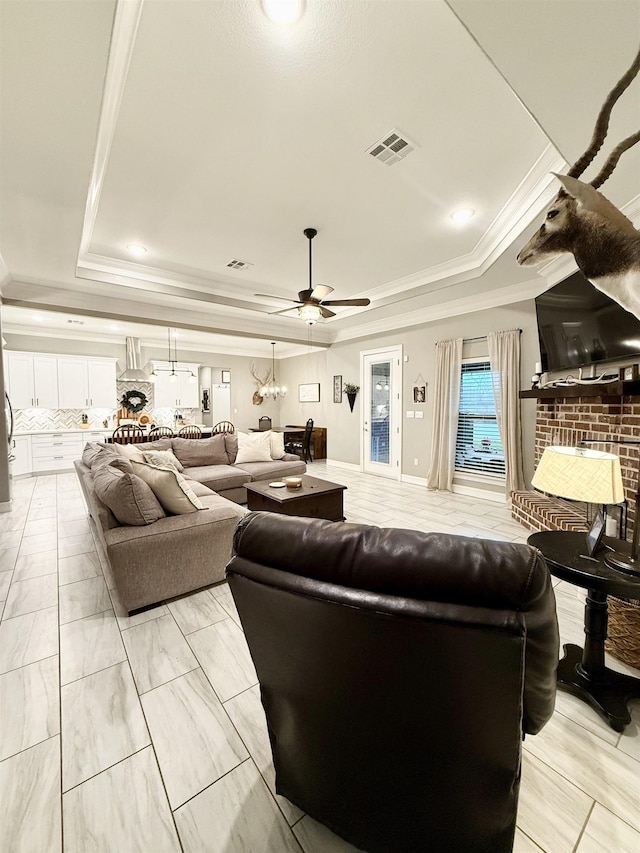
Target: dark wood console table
[{"x": 582, "y": 671}]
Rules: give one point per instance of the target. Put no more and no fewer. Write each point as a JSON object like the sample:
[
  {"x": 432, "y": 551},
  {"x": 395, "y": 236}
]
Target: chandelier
[
  {"x": 172, "y": 370},
  {"x": 271, "y": 388}
]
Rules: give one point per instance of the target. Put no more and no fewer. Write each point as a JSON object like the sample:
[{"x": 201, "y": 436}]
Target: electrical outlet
[
  {"x": 410, "y": 413},
  {"x": 415, "y": 461}
]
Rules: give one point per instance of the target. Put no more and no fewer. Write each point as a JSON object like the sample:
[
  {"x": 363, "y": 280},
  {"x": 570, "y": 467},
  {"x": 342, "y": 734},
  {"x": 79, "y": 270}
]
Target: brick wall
[{"x": 570, "y": 420}]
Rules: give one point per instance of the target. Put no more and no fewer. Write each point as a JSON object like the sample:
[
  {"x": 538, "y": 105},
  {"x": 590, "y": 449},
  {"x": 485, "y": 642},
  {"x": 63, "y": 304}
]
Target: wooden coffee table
[{"x": 314, "y": 499}]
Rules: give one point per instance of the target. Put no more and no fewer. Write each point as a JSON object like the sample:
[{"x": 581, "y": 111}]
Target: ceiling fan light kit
[{"x": 311, "y": 302}]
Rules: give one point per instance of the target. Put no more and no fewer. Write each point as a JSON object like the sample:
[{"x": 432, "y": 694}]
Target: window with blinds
[{"x": 479, "y": 449}]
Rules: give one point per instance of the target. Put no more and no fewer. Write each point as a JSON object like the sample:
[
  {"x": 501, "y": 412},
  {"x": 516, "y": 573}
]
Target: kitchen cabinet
[
  {"x": 87, "y": 383},
  {"x": 180, "y": 393},
  {"x": 32, "y": 380},
  {"x": 55, "y": 451},
  {"x": 102, "y": 384},
  {"x": 21, "y": 451}
]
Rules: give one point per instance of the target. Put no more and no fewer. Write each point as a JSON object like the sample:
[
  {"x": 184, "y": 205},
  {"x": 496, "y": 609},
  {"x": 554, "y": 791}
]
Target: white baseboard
[
  {"x": 6, "y": 506},
  {"x": 348, "y": 466},
  {"x": 414, "y": 481},
  {"x": 472, "y": 492}
]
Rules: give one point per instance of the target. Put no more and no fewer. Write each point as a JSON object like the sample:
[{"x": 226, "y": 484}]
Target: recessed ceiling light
[
  {"x": 137, "y": 250},
  {"x": 283, "y": 11},
  {"x": 462, "y": 215}
]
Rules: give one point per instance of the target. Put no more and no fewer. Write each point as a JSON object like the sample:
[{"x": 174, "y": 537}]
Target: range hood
[{"x": 133, "y": 371}]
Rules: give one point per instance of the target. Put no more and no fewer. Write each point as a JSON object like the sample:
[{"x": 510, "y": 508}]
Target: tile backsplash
[{"x": 29, "y": 420}]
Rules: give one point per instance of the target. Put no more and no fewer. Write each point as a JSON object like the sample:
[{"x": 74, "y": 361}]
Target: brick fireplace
[{"x": 568, "y": 420}]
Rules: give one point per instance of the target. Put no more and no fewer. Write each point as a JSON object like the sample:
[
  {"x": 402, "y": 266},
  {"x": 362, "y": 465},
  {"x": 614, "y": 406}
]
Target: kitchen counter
[{"x": 64, "y": 431}]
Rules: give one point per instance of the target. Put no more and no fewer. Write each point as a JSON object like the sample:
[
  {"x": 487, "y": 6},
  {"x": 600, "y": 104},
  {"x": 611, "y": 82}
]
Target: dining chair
[
  {"x": 160, "y": 432},
  {"x": 128, "y": 434},
  {"x": 223, "y": 426},
  {"x": 190, "y": 431},
  {"x": 302, "y": 446}
]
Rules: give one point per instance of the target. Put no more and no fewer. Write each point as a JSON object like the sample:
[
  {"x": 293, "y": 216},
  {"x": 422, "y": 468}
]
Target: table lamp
[{"x": 580, "y": 474}]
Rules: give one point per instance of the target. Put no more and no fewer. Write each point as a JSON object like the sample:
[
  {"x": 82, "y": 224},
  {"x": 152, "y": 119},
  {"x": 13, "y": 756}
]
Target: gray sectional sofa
[{"x": 154, "y": 553}]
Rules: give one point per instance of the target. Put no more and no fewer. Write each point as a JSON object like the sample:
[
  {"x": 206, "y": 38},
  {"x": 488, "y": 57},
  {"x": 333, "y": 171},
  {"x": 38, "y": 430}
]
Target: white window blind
[{"x": 479, "y": 449}]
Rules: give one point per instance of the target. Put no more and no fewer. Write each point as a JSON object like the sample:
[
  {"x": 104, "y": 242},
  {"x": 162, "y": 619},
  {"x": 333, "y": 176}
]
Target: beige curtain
[
  {"x": 504, "y": 355},
  {"x": 445, "y": 414}
]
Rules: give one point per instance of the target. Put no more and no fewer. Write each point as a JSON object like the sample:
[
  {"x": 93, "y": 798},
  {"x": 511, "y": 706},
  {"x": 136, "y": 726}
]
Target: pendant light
[
  {"x": 173, "y": 370},
  {"x": 272, "y": 389}
]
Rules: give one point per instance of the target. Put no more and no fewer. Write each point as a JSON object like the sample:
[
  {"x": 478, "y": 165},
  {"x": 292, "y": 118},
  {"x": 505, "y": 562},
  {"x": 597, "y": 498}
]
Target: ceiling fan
[{"x": 311, "y": 303}]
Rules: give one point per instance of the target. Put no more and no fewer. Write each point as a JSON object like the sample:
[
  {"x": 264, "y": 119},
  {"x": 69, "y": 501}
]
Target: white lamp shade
[{"x": 579, "y": 474}]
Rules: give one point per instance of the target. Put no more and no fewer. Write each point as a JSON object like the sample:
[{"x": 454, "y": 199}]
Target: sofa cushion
[
  {"x": 130, "y": 499},
  {"x": 219, "y": 477},
  {"x": 91, "y": 450},
  {"x": 273, "y": 470},
  {"x": 129, "y": 451},
  {"x": 170, "y": 488},
  {"x": 163, "y": 458},
  {"x": 163, "y": 443},
  {"x": 276, "y": 440},
  {"x": 199, "y": 489},
  {"x": 231, "y": 446},
  {"x": 104, "y": 453},
  {"x": 254, "y": 447},
  {"x": 193, "y": 452},
  {"x": 115, "y": 461}
]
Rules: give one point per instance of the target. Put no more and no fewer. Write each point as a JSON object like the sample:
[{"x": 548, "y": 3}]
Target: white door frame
[{"x": 394, "y": 354}]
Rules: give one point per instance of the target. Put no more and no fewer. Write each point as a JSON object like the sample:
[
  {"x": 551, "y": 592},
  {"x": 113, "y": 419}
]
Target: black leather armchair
[{"x": 399, "y": 672}]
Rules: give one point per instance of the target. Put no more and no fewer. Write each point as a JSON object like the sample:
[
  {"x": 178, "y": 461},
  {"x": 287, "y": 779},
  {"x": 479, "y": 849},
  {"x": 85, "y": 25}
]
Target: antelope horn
[
  {"x": 602, "y": 123},
  {"x": 612, "y": 160}
]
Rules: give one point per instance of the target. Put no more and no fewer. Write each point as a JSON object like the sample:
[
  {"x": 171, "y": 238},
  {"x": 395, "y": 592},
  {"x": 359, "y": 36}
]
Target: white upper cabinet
[
  {"x": 102, "y": 384},
  {"x": 73, "y": 383},
  {"x": 181, "y": 393},
  {"x": 32, "y": 380},
  {"x": 87, "y": 383},
  {"x": 60, "y": 382}
]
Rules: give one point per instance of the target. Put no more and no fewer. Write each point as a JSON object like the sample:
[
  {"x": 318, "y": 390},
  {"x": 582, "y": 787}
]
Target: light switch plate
[
  {"x": 419, "y": 414},
  {"x": 410, "y": 414}
]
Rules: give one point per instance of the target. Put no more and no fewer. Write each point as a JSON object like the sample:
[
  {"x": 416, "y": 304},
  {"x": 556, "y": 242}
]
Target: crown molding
[
  {"x": 534, "y": 191},
  {"x": 453, "y": 308},
  {"x": 123, "y": 37}
]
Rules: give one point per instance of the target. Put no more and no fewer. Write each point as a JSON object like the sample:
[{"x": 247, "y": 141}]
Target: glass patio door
[{"x": 381, "y": 421}]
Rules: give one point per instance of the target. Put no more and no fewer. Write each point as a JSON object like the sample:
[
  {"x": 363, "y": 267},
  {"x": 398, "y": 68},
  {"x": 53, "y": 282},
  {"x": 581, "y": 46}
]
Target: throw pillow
[
  {"x": 170, "y": 487},
  {"x": 163, "y": 458},
  {"x": 254, "y": 447},
  {"x": 91, "y": 450},
  {"x": 129, "y": 451},
  {"x": 231, "y": 446},
  {"x": 127, "y": 496},
  {"x": 276, "y": 440},
  {"x": 200, "y": 451}
]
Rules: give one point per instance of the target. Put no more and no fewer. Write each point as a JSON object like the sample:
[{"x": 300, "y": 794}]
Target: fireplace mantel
[{"x": 611, "y": 389}]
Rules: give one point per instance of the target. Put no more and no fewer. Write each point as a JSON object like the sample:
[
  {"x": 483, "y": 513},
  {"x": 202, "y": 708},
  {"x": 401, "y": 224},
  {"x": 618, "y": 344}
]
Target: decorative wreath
[{"x": 134, "y": 401}]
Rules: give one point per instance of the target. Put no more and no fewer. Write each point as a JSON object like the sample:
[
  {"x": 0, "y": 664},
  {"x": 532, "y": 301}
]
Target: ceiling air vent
[
  {"x": 392, "y": 148},
  {"x": 235, "y": 264}
]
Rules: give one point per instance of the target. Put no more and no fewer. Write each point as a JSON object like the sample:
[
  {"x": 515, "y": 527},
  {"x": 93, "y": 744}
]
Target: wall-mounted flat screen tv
[{"x": 579, "y": 325}]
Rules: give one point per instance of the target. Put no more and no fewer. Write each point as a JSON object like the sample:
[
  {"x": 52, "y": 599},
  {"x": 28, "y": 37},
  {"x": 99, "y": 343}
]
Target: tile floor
[{"x": 146, "y": 734}]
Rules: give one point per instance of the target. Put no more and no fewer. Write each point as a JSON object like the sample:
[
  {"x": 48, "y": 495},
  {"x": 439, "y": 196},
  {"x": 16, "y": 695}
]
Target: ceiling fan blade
[
  {"x": 326, "y": 313},
  {"x": 271, "y": 296},
  {"x": 305, "y": 295},
  {"x": 320, "y": 291},
  {"x": 284, "y": 310},
  {"x": 348, "y": 302}
]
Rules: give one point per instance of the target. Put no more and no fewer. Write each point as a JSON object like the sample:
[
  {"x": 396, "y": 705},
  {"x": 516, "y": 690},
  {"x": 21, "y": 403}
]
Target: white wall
[{"x": 343, "y": 427}]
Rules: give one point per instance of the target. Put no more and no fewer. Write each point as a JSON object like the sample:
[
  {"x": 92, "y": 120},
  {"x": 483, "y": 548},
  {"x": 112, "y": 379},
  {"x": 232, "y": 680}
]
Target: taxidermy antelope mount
[
  {"x": 257, "y": 397},
  {"x": 604, "y": 243}
]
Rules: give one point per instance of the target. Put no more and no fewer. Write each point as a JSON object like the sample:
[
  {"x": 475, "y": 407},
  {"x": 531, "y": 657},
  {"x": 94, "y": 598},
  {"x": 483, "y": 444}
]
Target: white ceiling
[{"x": 205, "y": 132}]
